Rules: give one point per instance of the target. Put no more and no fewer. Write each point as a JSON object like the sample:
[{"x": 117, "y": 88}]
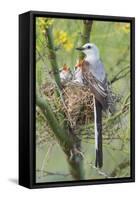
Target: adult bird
[{"x": 94, "y": 77}]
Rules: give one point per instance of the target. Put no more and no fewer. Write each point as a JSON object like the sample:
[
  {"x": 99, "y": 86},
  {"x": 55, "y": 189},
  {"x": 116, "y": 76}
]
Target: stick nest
[{"x": 76, "y": 101}]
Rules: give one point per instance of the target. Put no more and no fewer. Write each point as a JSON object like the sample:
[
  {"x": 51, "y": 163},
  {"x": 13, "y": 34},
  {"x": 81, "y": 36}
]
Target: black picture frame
[{"x": 27, "y": 98}]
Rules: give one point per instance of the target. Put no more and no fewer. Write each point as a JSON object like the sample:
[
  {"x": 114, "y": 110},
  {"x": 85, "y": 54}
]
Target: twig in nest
[{"x": 77, "y": 97}]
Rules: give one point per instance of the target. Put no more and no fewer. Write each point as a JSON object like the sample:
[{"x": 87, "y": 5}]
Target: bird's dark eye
[{"x": 88, "y": 47}]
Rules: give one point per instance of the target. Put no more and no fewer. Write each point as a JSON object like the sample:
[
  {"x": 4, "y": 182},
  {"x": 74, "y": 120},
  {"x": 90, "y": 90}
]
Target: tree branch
[
  {"x": 121, "y": 74},
  {"x": 87, "y": 27},
  {"x": 52, "y": 54},
  {"x": 67, "y": 141}
]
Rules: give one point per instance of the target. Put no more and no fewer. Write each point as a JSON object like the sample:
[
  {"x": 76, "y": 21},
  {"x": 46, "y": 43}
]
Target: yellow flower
[
  {"x": 63, "y": 37},
  {"x": 68, "y": 45},
  {"x": 60, "y": 37},
  {"x": 48, "y": 22},
  {"x": 126, "y": 27},
  {"x": 44, "y": 23},
  {"x": 122, "y": 27}
]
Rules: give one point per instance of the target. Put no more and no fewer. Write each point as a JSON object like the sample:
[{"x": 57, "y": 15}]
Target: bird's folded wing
[{"x": 97, "y": 87}]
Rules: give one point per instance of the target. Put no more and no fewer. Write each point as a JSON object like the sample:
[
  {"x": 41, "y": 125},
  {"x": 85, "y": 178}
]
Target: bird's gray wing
[
  {"x": 98, "y": 71},
  {"x": 98, "y": 88}
]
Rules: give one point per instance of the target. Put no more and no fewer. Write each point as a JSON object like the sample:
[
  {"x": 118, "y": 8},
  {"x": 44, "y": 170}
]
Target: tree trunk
[
  {"x": 87, "y": 27},
  {"x": 67, "y": 140},
  {"x": 52, "y": 55}
]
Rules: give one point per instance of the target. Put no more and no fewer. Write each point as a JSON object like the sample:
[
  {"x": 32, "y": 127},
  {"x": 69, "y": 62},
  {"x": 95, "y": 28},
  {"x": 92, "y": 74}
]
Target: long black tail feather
[{"x": 98, "y": 133}]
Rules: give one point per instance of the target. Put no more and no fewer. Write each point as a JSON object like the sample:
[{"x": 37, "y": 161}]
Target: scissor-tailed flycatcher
[{"x": 95, "y": 77}]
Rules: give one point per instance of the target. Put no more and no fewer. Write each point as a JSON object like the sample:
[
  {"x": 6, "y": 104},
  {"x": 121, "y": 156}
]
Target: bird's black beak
[{"x": 80, "y": 48}]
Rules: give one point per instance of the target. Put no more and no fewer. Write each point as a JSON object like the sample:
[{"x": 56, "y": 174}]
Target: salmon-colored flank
[{"x": 79, "y": 63}]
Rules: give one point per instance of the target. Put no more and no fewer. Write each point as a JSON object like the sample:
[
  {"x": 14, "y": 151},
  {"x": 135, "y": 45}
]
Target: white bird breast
[
  {"x": 65, "y": 76},
  {"x": 62, "y": 75},
  {"x": 78, "y": 76}
]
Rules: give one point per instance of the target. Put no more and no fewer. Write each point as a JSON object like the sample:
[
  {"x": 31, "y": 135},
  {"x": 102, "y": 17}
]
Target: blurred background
[{"x": 113, "y": 41}]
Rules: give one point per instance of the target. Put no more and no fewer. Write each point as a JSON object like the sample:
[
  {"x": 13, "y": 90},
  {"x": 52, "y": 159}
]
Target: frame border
[{"x": 31, "y": 143}]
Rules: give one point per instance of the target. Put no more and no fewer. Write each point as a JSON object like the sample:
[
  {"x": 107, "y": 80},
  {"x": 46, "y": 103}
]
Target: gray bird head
[{"x": 90, "y": 50}]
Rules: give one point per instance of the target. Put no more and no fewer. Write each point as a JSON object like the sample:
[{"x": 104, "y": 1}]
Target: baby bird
[
  {"x": 77, "y": 77},
  {"x": 65, "y": 74}
]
